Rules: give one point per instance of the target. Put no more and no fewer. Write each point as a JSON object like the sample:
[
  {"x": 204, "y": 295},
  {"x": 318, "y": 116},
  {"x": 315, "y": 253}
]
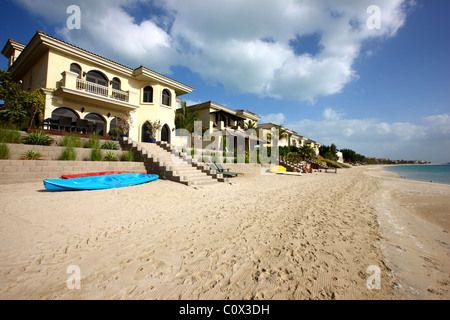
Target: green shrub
[
  {"x": 96, "y": 154},
  {"x": 93, "y": 142},
  {"x": 4, "y": 151},
  {"x": 68, "y": 154},
  {"x": 111, "y": 145},
  {"x": 115, "y": 132},
  {"x": 39, "y": 138},
  {"x": 10, "y": 136},
  {"x": 111, "y": 156},
  {"x": 32, "y": 155},
  {"x": 128, "y": 156},
  {"x": 72, "y": 141}
]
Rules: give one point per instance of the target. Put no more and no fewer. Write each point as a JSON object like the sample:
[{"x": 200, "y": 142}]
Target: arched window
[
  {"x": 121, "y": 124},
  {"x": 64, "y": 112},
  {"x": 99, "y": 83},
  {"x": 148, "y": 95},
  {"x": 166, "y": 97},
  {"x": 76, "y": 68},
  {"x": 98, "y": 123},
  {"x": 116, "y": 83},
  {"x": 97, "y": 77}
]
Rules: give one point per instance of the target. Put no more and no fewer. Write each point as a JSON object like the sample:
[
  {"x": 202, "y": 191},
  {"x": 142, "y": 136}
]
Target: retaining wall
[{"x": 22, "y": 171}]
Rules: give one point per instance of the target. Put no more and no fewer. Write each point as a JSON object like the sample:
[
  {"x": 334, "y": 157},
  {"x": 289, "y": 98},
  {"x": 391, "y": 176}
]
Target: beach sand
[{"x": 262, "y": 237}]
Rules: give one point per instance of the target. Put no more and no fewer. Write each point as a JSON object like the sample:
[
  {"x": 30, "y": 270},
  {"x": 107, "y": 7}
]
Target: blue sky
[{"x": 312, "y": 65}]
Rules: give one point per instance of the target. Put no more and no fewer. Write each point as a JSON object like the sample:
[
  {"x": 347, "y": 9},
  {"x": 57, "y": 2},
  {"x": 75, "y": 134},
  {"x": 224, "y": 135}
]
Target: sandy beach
[{"x": 261, "y": 237}]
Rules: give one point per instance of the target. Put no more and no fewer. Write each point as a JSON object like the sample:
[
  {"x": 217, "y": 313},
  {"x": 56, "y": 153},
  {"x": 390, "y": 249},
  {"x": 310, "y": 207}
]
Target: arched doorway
[
  {"x": 99, "y": 124},
  {"x": 165, "y": 133},
  {"x": 145, "y": 132}
]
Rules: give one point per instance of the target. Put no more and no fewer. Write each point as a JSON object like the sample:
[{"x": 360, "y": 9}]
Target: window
[
  {"x": 148, "y": 95},
  {"x": 99, "y": 123},
  {"x": 166, "y": 97},
  {"x": 96, "y": 77},
  {"x": 76, "y": 68},
  {"x": 116, "y": 84},
  {"x": 64, "y": 112}
]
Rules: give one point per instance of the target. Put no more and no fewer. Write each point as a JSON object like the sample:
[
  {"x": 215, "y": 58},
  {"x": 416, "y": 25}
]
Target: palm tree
[
  {"x": 307, "y": 152},
  {"x": 282, "y": 133},
  {"x": 185, "y": 118},
  {"x": 250, "y": 125}
]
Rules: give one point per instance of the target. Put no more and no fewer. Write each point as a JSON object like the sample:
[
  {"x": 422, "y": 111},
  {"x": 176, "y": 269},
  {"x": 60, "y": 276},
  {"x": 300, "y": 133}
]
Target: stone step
[
  {"x": 186, "y": 171},
  {"x": 205, "y": 183},
  {"x": 175, "y": 165}
]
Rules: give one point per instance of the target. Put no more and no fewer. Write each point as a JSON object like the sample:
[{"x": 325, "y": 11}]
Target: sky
[{"x": 368, "y": 75}]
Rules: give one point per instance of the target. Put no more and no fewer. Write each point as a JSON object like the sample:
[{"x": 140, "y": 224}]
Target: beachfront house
[
  {"x": 289, "y": 138},
  {"x": 89, "y": 93},
  {"x": 294, "y": 139},
  {"x": 221, "y": 121},
  {"x": 313, "y": 144}
]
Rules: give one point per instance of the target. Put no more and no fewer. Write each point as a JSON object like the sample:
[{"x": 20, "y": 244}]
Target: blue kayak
[{"x": 99, "y": 182}]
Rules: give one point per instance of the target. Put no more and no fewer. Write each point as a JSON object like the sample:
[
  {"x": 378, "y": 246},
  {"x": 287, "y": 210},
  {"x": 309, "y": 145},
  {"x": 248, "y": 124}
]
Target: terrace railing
[{"x": 102, "y": 90}]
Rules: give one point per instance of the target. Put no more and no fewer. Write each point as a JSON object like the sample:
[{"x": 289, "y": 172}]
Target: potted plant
[
  {"x": 153, "y": 128},
  {"x": 123, "y": 124}
]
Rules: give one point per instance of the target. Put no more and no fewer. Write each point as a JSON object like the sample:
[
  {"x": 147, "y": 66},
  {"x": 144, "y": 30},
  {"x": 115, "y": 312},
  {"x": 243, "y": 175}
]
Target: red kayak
[{"x": 93, "y": 174}]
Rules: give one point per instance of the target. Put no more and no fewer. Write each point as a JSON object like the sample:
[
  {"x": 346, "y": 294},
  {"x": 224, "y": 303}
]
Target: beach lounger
[{"x": 226, "y": 172}]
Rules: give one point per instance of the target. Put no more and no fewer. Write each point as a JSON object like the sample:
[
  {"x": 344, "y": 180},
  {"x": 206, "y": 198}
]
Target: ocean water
[{"x": 433, "y": 173}]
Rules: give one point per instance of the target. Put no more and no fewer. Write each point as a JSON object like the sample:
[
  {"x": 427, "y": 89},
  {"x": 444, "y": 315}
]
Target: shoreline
[
  {"x": 415, "y": 225},
  {"x": 263, "y": 237}
]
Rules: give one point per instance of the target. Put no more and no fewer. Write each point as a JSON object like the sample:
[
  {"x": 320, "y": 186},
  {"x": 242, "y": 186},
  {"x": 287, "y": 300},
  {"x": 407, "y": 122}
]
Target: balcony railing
[
  {"x": 102, "y": 90},
  {"x": 120, "y": 95}
]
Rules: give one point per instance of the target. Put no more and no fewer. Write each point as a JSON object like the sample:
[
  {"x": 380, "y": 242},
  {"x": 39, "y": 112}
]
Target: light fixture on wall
[
  {"x": 82, "y": 110},
  {"x": 109, "y": 114}
]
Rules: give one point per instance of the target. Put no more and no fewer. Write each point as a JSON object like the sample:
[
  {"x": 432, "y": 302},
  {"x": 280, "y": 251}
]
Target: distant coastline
[{"x": 436, "y": 173}]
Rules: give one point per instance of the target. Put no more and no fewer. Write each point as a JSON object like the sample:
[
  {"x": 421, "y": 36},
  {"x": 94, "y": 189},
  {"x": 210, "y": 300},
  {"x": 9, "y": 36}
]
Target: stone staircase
[
  {"x": 290, "y": 166},
  {"x": 172, "y": 164}
]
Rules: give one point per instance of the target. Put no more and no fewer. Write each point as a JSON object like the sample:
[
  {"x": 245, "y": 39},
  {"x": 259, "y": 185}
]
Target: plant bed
[{"x": 63, "y": 133}]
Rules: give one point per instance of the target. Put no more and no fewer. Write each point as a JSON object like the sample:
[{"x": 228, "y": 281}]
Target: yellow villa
[
  {"x": 222, "y": 120},
  {"x": 93, "y": 91},
  {"x": 217, "y": 117},
  {"x": 290, "y": 139}
]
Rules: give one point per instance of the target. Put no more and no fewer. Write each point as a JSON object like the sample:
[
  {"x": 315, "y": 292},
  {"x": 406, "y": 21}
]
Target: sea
[{"x": 430, "y": 173}]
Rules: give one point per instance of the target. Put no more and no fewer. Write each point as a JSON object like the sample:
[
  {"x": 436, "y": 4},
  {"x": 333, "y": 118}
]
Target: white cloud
[
  {"x": 275, "y": 118},
  {"x": 330, "y": 114},
  {"x": 245, "y": 45},
  {"x": 439, "y": 124},
  {"x": 428, "y": 139}
]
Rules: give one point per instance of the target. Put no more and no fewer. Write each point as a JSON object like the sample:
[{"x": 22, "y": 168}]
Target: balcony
[
  {"x": 102, "y": 90},
  {"x": 91, "y": 92}
]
